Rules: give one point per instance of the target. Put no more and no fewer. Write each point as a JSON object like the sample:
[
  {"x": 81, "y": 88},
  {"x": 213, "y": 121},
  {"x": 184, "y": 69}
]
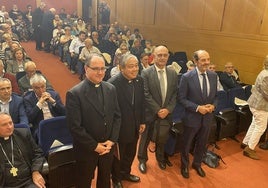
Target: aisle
[{"x": 51, "y": 66}]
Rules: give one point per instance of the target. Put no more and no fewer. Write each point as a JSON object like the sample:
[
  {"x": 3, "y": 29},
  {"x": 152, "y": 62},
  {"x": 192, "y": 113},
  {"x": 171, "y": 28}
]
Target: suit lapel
[{"x": 197, "y": 83}]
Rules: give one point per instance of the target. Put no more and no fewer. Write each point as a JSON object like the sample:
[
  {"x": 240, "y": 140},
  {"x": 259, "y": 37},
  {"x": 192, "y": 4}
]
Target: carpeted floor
[{"x": 239, "y": 171}]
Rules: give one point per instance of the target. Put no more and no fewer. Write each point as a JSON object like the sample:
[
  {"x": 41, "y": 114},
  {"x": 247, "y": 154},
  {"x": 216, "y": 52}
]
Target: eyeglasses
[{"x": 98, "y": 69}]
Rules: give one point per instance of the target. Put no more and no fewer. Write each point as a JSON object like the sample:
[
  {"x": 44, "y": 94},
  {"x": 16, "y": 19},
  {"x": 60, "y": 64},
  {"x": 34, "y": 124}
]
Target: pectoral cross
[{"x": 13, "y": 171}]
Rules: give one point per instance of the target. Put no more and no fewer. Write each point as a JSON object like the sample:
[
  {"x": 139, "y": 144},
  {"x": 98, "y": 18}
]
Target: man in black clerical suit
[
  {"x": 21, "y": 160},
  {"x": 94, "y": 118},
  {"x": 130, "y": 94}
]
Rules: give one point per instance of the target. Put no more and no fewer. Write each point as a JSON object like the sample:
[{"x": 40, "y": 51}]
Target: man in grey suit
[
  {"x": 197, "y": 93},
  {"x": 160, "y": 89},
  {"x": 94, "y": 118},
  {"x": 258, "y": 104}
]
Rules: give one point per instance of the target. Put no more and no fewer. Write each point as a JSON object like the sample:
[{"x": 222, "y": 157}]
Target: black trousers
[
  {"x": 120, "y": 167},
  {"x": 38, "y": 38},
  {"x": 84, "y": 170}
]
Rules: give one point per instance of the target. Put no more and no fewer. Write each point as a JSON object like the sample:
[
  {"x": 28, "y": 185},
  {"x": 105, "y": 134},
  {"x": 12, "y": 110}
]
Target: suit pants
[
  {"x": 200, "y": 134},
  {"x": 144, "y": 142},
  {"x": 256, "y": 128},
  {"x": 84, "y": 170},
  {"x": 120, "y": 167},
  {"x": 38, "y": 38}
]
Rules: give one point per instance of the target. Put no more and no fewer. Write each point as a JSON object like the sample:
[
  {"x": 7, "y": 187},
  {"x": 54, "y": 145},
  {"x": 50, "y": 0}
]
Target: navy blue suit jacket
[
  {"x": 35, "y": 114},
  {"x": 190, "y": 96},
  {"x": 17, "y": 110}
]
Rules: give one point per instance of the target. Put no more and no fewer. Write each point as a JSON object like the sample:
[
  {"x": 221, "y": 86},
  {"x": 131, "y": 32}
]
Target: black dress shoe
[
  {"x": 131, "y": 178},
  {"x": 185, "y": 172},
  {"x": 142, "y": 167},
  {"x": 162, "y": 165},
  {"x": 168, "y": 163},
  {"x": 117, "y": 185},
  {"x": 199, "y": 171}
]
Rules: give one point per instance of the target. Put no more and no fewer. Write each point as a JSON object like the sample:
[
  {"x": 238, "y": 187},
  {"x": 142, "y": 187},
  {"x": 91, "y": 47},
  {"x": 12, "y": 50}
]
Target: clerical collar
[
  {"x": 94, "y": 85},
  {"x": 127, "y": 80}
]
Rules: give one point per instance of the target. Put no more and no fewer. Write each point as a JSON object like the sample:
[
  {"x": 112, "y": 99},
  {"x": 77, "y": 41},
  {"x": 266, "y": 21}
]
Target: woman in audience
[
  {"x": 148, "y": 47},
  {"x": 136, "y": 48},
  {"x": 144, "y": 61},
  {"x": 57, "y": 20},
  {"x": 65, "y": 41},
  {"x": 81, "y": 26},
  {"x": 17, "y": 63},
  {"x": 21, "y": 28},
  {"x": 84, "y": 55}
]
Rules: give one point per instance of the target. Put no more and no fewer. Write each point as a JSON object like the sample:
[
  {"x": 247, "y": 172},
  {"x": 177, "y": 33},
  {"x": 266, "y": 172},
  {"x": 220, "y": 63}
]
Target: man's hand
[
  {"x": 202, "y": 109},
  {"x": 38, "y": 179},
  {"x": 162, "y": 113},
  {"x": 105, "y": 147},
  {"x": 142, "y": 128},
  {"x": 210, "y": 108}
]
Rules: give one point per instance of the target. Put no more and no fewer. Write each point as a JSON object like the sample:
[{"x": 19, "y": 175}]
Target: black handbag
[{"x": 212, "y": 159}]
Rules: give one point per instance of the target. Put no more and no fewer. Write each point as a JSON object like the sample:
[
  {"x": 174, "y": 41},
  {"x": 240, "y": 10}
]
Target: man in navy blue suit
[
  {"x": 11, "y": 103},
  {"x": 197, "y": 93},
  {"x": 41, "y": 103}
]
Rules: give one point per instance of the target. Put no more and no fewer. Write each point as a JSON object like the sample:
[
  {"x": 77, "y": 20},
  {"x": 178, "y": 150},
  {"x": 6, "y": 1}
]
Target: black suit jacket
[
  {"x": 131, "y": 115},
  {"x": 90, "y": 123},
  {"x": 228, "y": 81},
  {"x": 32, "y": 154}
]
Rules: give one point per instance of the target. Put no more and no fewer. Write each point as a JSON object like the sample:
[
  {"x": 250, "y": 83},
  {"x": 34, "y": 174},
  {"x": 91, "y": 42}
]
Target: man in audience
[
  {"x": 41, "y": 103},
  {"x": 37, "y": 20},
  {"x": 197, "y": 93},
  {"x": 93, "y": 117},
  {"x": 130, "y": 94},
  {"x": 47, "y": 27},
  {"x": 258, "y": 104},
  {"x": 21, "y": 160},
  {"x": 24, "y": 82},
  {"x": 11, "y": 103},
  {"x": 227, "y": 78},
  {"x": 74, "y": 50},
  {"x": 160, "y": 85},
  {"x": 11, "y": 77}
]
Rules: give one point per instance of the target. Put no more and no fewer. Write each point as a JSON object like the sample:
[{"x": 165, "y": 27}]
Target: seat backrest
[
  {"x": 238, "y": 92},
  {"x": 21, "y": 126},
  {"x": 223, "y": 102},
  {"x": 51, "y": 130},
  {"x": 61, "y": 164},
  {"x": 19, "y": 75}
]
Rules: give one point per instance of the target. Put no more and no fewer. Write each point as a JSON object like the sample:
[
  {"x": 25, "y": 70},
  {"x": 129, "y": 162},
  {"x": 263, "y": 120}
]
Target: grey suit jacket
[
  {"x": 152, "y": 92},
  {"x": 259, "y": 96}
]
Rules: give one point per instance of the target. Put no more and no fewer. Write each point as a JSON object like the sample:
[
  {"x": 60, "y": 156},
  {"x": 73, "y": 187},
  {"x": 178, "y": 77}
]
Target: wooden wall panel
[
  {"x": 243, "y": 16},
  {"x": 213, "y": 13},
  {"x": 149, "y": 12}
]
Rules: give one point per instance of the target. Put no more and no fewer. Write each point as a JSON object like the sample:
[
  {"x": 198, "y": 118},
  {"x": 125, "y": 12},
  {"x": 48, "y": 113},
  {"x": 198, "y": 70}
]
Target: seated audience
[
  {"x": 137, "y": 48},
  {"x": 136, "y": 35},
  {"x": 24, "y": 81},
  {"x": 21, "y": 28},
  {"x": 18, "y": 171},
  {"x": 227, "y": 79},
  {"x": 74, "y": 50},
  {"x": 96, "y": 40},
  {"x": 41, "y": 103},
  {"x": 149, "y": 48},
  {"x": 144, "y": 62},
  {"x": 11, "y": 103},
  {"x": 11, "y": 77},
  {"x": 17, "y": 63},
  {"x": 65, "y": 41}
]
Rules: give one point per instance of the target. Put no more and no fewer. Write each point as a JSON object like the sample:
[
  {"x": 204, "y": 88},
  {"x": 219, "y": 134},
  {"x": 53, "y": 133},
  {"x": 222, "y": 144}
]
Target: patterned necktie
[
  {"x": 205, "y": 88},
  {"x": 162, "y": 85}
]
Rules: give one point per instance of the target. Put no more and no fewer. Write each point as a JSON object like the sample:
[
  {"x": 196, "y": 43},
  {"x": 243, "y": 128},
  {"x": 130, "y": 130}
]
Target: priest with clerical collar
[{"x": 21, "y": 160}]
